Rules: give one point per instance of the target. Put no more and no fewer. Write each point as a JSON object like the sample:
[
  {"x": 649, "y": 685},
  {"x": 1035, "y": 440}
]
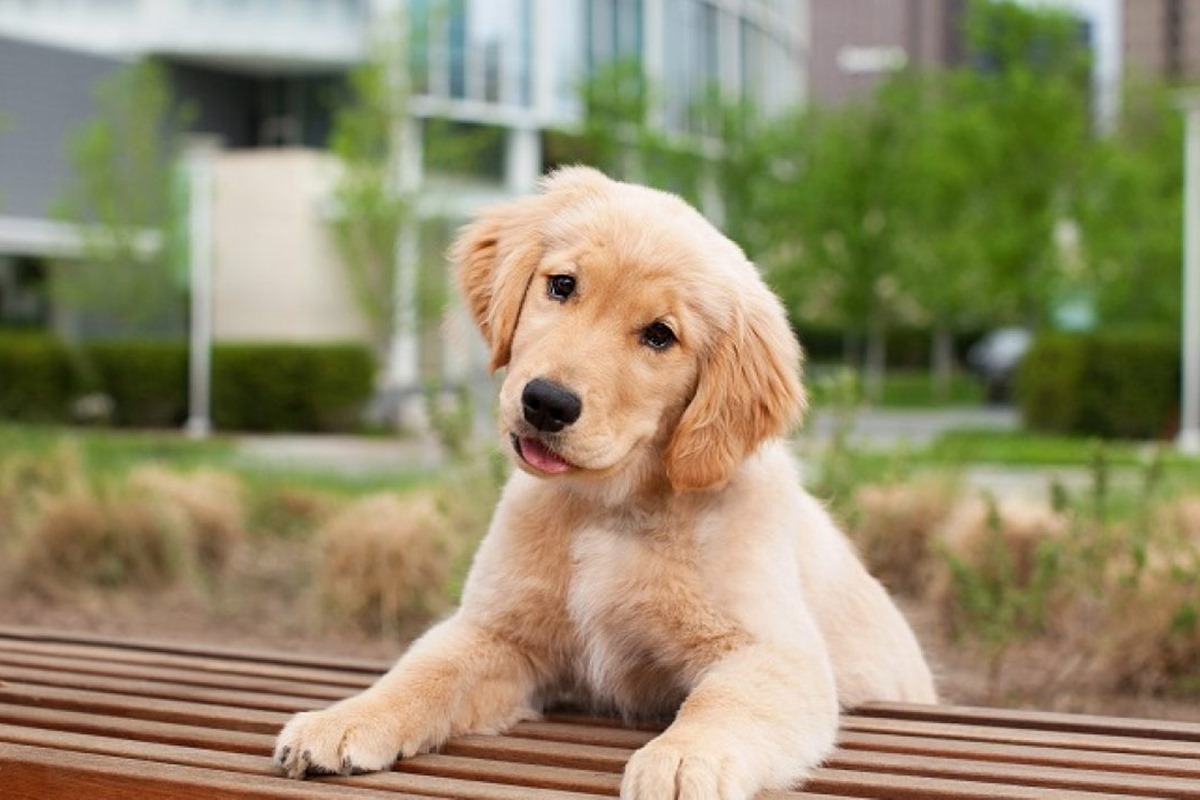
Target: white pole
[
  {"x": 199, "y": 422},
  {"x": 1189, "y": 420}
]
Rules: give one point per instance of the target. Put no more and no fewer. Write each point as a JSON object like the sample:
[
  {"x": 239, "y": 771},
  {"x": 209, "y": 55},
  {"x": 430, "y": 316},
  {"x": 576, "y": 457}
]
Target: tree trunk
[
  {"x": 943, "y": 361},
  {"x": 876, "y": 360},
  {"x": 850, "y": 348}
]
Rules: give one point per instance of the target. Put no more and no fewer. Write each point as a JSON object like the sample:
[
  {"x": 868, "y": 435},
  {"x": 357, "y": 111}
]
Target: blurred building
[
  {"x": 265, "y": 76},
  {"x": 858, "y": 43},
  {"x": 1161, "y": 39}
]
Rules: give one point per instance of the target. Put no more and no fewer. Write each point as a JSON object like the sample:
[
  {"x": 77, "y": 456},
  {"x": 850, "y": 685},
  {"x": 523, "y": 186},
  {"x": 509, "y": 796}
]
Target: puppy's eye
[
  {"x": 560, "y": 287},
  {"x": 658, "y": 335}
]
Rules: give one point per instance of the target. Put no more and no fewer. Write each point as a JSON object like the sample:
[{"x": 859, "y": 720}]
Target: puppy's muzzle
[{"x": 549, "y": 406}]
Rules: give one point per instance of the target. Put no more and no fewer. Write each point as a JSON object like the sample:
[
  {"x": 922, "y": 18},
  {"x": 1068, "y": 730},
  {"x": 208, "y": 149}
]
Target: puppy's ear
[
  {"x": 495, "y": 258},
  {"x": 749, "y": 390},
  {"x": 496, "y": 255}
]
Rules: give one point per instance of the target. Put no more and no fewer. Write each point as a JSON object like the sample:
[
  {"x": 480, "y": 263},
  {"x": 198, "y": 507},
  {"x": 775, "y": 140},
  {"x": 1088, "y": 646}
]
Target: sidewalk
[
  {"x": 893, "y": 427},
  {"x": 350, "y": 455},
  {"x": 361, "y": 455}
]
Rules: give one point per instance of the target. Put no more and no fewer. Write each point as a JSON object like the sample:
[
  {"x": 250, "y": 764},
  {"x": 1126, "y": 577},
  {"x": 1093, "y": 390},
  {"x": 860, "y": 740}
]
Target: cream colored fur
[{"x": 676, "y": 569}]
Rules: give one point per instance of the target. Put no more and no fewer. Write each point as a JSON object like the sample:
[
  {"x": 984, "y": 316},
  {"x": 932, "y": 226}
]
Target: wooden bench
[{"x": 88, "y": 717}]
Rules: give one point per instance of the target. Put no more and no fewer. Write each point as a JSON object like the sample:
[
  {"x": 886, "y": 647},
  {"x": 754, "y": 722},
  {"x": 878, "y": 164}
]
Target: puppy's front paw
[
  {"x": 666, "y": 770},
  {"x": 345, "y": 739}
]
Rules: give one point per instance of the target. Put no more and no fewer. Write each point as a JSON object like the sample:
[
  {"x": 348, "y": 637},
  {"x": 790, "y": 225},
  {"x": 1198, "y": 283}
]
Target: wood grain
[{"x": 88, "y": 716}]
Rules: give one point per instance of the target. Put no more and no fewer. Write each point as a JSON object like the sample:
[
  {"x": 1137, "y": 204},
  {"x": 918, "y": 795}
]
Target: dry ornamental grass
[{"x": 385, "y": 562}]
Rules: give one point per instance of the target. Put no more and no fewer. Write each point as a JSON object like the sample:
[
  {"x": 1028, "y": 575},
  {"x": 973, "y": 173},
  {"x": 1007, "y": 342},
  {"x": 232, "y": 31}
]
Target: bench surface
[{"x": 89, "y": 717}]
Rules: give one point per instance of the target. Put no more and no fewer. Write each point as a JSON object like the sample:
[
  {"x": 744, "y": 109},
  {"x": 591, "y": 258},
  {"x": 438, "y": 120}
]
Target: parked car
[{"x": 995, "y": 359}]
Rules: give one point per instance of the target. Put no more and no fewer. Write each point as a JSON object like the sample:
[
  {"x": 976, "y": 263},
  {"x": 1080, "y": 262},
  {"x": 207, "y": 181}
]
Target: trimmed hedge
[
  {"x": 38, "y": 377},
  {"x": 907, "y": 347},
  {"x": 270, "y": 387},
  {"x": 256, "y": 387},
  {"x": 147, "y": 381},
  {"x": 1112, "y": 384}
]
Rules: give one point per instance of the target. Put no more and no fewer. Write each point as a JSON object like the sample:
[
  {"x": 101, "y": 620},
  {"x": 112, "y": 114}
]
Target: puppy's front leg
[
  {"x": 759, "y": 718},
  {"x": 457, "y": 678}
]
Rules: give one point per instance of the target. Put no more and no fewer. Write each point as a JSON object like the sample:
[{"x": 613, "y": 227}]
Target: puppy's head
[{"x": 640, "y": 343}]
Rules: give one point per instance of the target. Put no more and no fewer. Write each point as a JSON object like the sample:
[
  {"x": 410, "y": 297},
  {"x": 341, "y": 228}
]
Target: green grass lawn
[
  {"x": 105, "y": 452},
  {"x": 901, "y": 388},
  {"x": 1020, "y": 448},
  {"x": 108, "y": 453}
]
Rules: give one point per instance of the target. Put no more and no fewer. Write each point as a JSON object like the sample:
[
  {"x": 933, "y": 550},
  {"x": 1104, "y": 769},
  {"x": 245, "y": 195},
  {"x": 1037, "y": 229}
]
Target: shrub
[
  {"x": 147, "y": 380},
  {"x": 210, "y": 504},
  {"x": 38, "y": 378},
  {"x": 255, "y": 387},
  {"x": 1114, "y": 384},
  {"x": 894, "y": 527},
  {"x": 1150, "y": 637},
  {"x": 103, "y": 537},
  {"x": 285, "y": 387},
  {"x": 386, "y": 561},
  {"x": 1150, "y": 640},
  {"x": 26, "y": 476},
  {"x": 290, "y": 512},
  {"x": 1002, "y": 565}
]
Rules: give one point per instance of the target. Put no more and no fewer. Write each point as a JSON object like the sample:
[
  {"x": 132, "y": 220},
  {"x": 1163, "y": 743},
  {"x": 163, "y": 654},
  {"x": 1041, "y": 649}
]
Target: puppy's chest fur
[{"x": 642, "y": 613}]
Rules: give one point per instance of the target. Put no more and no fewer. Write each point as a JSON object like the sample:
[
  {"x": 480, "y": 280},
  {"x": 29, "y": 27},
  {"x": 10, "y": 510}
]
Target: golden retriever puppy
[{"x": 655, "y": 553}]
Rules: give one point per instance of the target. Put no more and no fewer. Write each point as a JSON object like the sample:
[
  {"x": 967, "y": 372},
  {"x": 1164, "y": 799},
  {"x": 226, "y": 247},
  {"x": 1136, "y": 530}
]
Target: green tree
[
  {"x": 943, "y": 220},
  {"x": 836, "y": 208},
  {"x": 937, "y": 199},
  {"x": 1029, "y": 76},
  {"x": 618, "y": 136},
  {"x": 373, "y": 206},
  {"x": 124, "y": 199},
  {"x": 1130, "y": 214}
]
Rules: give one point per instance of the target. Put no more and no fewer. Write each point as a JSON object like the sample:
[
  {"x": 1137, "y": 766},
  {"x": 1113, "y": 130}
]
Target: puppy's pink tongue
[{"x": 542, "y": 457}]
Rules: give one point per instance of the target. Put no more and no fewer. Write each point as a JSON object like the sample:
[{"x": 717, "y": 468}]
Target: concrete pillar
[
  {"x": 404, "y": 379},
  {"x": 199, "y": 165},
  {"x": 1189, "y": 420}
]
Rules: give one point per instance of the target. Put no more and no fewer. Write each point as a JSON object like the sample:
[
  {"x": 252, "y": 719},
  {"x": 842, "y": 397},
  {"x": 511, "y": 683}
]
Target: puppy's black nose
[{"x": 548, "y": 406}]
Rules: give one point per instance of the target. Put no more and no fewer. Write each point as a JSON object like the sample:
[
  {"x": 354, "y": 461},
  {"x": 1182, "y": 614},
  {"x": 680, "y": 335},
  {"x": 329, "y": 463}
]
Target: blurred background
[{"x": 238, "y": 396}]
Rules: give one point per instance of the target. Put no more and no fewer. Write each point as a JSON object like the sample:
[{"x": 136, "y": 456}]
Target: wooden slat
[
  {"x": 1168, "y": 783},
  {"x": 135, "y": 729},
  {"x": 260, "y": 765},
  {"x": 1021, "y": 754},
  {"x": 150, "y": 719},
  {"x": 50, "y": 774},
  {"x": 888, "y": 786},
  {"x": 219, "y": 666},
  {"x": 62, "y": 668},
  {"x": 1019, "y": 774},
  {"x": 161, "y": 690},
  {"x": 1037, "y": 720},
  {"x": 1004, "y": 735},
  {"x": 206, "y": 652},
  {"x": 591, "y": 757},
  {"x": 541, "y": 777},
  {"x": 223, "y": 717}
]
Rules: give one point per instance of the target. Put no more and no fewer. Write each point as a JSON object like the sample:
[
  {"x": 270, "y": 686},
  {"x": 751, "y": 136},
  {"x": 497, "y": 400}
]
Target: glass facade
[
  {"x": 493, "y": 51},
  {"x": 473, "y": 50},
  {"x": 691, "y": 63},
  {"x": 612, "y": 31}
]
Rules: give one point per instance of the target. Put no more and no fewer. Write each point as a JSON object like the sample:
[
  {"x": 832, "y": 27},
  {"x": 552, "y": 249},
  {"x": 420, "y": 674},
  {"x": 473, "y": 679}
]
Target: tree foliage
[
  {"x": 618, "y": 135},
  {"x": 125, "y": 198},
  {"x": 940, "y": 200},
  {"x": 373, "y": 208},
  {"x": 1130, "y": 214}
]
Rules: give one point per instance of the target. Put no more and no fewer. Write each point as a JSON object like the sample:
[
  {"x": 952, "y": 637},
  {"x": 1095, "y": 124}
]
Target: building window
[
  {"x": 691, "y": 63},
  {"x": 472, "y": 49},
  {"x": 24, "y": 293},
  {"x": 613, "y": 31},
  {"x": 1173, "y": 38}
]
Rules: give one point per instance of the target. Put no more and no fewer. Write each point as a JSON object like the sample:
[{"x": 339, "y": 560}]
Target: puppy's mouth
[{"x": 539, "y": 455}]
